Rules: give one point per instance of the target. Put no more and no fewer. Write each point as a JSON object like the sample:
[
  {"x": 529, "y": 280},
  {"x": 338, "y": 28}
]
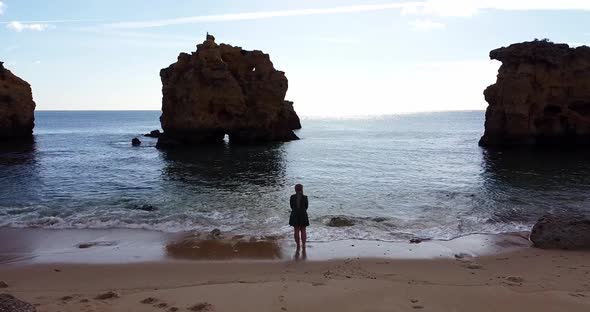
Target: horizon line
[{"x": 301, "y": 115}]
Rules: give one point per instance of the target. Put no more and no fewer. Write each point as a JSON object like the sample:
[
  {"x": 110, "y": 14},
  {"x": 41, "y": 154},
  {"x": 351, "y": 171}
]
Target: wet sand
[
  {"x": 474, "y": 273},
  {"x": 101, "y": 246}
]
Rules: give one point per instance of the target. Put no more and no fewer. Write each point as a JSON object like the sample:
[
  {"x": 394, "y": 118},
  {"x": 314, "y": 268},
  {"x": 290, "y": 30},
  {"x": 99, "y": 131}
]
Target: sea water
[{"x": 396, "y": 177}]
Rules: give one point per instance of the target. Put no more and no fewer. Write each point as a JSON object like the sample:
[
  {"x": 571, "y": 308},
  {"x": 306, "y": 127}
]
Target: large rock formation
[
  {"x": 221, "y": 89},
  {"x": 553, "y": 232},
  {"x": 16, "y": 108},
  {"x": 541, "y": 96}
]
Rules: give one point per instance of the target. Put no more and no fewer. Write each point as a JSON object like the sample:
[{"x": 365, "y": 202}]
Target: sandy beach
[{"x": 476, "y": 273}]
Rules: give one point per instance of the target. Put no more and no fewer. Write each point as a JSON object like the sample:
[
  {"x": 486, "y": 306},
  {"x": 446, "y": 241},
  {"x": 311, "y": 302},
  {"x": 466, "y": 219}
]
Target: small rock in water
[
  {"x": 416, "y": 240},
  {"x": 462, "y": 255},
  {"x": 94, "y": 244},
  {"x": 147, "y": 208},
  {"x": 339, "y": 222},
  {"x": 108, "y": 295},
  {"x": 12, "y": 304},
  {"x": 3, "y": 284},
  {"x": 135, "y": 142},
  {"x": 153, "y": 134},
  {"x": 215, "y": 234}
]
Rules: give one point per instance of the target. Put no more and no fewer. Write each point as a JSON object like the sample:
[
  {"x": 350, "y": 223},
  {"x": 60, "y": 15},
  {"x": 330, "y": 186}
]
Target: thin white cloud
[
  {"x": 426, "y": 24},
  {"x": 256, "y": 15},
  {"x": 20, "y": 26},
  {"x": 468, "y": 8},
  {"x": 2, "y": 7},
  {"x": 441, "y": 8},
  {"x": 57, "y": 21},
  {"x": 456, "y": 8}
]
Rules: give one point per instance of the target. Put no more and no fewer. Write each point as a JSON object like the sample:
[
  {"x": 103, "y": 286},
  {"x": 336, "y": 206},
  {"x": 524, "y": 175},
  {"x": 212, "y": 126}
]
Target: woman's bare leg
[
  {"x": 303, "y": 235},
  {"x": 296, "y": 235}
]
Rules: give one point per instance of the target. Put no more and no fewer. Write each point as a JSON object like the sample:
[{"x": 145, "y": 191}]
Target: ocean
[{"x": 397, "y": 177}]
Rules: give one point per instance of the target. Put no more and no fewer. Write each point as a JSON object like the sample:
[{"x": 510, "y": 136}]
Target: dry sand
[{"x": 521, "y": 279}]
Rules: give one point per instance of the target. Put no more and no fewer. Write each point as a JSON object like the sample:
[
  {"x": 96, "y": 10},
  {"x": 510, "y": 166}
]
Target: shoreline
[
  {"x": 23, "y": 246},
  {"x": 128, "y": 270}
]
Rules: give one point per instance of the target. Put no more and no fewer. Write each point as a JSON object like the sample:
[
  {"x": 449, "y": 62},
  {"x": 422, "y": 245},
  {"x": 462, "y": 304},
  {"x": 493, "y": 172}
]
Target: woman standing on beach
[{"x": 298, "y": 219}]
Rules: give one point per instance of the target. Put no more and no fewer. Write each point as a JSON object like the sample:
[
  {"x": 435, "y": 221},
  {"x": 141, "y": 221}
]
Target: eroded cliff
[
  {"x": 221, "y": 89},
  {"x": 17, "y": 108},
  {"x": 541, "y": 96}
]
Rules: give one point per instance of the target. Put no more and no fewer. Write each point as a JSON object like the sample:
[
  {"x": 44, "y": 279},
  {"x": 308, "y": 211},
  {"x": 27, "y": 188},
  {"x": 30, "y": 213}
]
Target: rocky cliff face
[
  {"x": 541, "y": 96},
  {"x": 221, "y": 89},
  {"x": 16, "y": 108}
]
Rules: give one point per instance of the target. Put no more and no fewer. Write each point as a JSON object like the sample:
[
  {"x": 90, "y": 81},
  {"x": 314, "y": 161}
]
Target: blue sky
[{"x": 347, "y": 57}]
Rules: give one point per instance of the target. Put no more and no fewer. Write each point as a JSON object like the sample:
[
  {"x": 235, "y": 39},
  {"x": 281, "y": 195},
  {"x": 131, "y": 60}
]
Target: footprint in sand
[
  {"x": 162, "y": 305},
  {"x": 149, "y": 300},
  {"x": 474, "y": 266},
  {"x": 283, "y": 292},
  {"x": 515, "y": 279},
  {"x": 577, "y": 295},
  {"x": 512, "y": 280},
  {"x": 107, "y": 295},
  {"x": 202, "y": 306},
  {"x": 67, "y": 298}
]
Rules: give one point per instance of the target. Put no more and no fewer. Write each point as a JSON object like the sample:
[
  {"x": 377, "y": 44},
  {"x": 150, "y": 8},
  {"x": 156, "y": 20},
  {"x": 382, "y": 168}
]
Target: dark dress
[{"x": 298, "y": 214}]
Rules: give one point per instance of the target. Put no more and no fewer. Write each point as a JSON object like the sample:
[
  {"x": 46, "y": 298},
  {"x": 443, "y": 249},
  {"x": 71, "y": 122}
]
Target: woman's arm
[
  {"x": 293, "y": 202},
  {"x": 306, "y": 202}
]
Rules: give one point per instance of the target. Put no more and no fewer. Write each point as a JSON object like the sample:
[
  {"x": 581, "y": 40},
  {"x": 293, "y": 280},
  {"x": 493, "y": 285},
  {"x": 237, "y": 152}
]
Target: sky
[{"x": 342, "y": 58}]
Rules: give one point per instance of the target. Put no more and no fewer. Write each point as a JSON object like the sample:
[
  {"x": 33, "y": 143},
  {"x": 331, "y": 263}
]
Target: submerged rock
[
  {"x": 339, "y": 222},
  {"x": 553, "y": 232},
  {"x": 135, "y": 142},
  {"x": 147, "y": 208},
  {"x": 9, "y": 303},
  {"x": 541, "y": 96},
  {"x": 17, "y": 108},
  {"x": 144, "y": 207},
  {"x": 96, "y": 244},
  {"x": 215, "y": 234},
  {"x": 224, "y": 90},
  {"x": 153, "y": 134}
]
